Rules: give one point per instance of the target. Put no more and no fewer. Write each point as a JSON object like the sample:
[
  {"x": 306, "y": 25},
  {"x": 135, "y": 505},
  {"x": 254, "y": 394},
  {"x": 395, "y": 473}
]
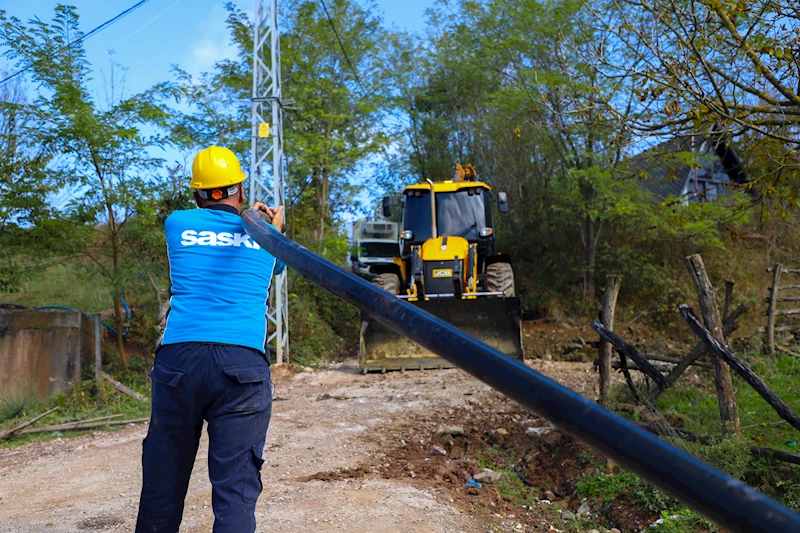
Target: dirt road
[{"x": 322, "y": 421}]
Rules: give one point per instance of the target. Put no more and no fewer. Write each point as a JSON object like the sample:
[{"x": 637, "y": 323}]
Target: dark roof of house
[{"x": 663, "y": 169}]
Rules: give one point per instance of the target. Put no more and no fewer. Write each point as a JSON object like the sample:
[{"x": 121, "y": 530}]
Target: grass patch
[
  {"x": 84, "y": 401},
  {"x": 683, "y": 521},
  {"x": 609, "y": 487},
  {"x": 694, "y": 408},
  {"x": 510, "y": 487},
  {"x": 66, "y": 284},
  {"x": 760, "y": 424},
  {"x": 12, "y": 405},
  {"x": 605, "y": 486}
]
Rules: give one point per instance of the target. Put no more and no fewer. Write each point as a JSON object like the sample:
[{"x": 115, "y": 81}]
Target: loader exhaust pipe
[
  {"x": 435, "y": 233},
  {"x": 726, "y": 500}
]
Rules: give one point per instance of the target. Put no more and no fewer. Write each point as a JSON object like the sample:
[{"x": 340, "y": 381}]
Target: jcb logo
[
  {"x": 443, "y": 273},
  {"x": 208, "y": 238}
]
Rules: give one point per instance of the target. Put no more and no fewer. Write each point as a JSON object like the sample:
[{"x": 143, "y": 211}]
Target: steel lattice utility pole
[{"x": 266, "y": 163}]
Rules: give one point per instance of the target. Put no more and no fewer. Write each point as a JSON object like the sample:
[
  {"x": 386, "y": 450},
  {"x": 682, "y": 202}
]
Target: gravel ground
[{"x": 322, "y": 421}]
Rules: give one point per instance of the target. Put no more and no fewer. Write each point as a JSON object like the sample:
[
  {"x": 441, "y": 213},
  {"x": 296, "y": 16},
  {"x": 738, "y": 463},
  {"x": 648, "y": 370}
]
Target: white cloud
[{"x": 214, "y": 42}]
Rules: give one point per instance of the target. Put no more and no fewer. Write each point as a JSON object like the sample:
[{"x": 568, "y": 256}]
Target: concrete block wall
[{"x": 44, "y": 352}]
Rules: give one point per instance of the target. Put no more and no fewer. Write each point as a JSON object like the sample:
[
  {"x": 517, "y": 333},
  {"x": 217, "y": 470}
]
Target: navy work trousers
[{"x": 230, "y": 388}]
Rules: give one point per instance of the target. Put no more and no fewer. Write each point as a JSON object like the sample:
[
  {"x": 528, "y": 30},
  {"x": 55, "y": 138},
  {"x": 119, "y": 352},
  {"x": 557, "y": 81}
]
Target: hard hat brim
[{"x": 219, "y": 184}]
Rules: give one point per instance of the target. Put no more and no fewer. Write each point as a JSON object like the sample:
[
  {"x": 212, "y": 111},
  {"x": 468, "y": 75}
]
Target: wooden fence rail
[
  {"x": 772, "y": 311},
  {"x": 740, "y": 367}
]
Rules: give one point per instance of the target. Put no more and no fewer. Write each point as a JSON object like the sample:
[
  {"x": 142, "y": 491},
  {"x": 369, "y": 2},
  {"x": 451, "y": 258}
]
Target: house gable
[{"x": 692, "y": 169}]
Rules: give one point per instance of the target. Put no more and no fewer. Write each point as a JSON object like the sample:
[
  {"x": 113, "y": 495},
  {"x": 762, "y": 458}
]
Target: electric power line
[
  {"x": 347, "y": 57},
  {"x": 82, "y": 38},
  {"x": 146, "y": 24}
]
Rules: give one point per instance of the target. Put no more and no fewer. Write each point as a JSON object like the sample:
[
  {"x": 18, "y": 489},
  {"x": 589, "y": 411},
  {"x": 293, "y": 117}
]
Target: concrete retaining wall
[{"x": 44, "y": 352}]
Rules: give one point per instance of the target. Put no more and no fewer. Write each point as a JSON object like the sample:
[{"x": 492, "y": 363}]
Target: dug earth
[{"x": 417, "y": 451}]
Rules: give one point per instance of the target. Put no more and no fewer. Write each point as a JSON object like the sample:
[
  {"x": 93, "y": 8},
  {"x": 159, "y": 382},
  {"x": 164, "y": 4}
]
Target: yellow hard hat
[{"x": 216, "y": 167}]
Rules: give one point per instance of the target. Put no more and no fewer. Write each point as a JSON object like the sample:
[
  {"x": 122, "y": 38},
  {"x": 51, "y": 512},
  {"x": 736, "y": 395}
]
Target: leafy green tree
[
  {"x": 332, "y": 111},
  {"x": 102, "y": 157},
  {"x": 506, "y": 89},
  {"x": 24, "y": 189},
  {"x": 726, "y": 70}
]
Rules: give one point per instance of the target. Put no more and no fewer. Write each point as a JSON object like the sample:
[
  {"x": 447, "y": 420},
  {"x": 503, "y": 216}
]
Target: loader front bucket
[{"x": 495, "y": 321}]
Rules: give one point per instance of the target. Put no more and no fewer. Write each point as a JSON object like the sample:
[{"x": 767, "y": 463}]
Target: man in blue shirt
[{"x": 211, "y": 363}]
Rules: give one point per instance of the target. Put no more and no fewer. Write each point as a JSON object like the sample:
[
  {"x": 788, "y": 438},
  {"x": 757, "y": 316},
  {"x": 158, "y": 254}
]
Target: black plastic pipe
[{"x": 721, "y": 498}]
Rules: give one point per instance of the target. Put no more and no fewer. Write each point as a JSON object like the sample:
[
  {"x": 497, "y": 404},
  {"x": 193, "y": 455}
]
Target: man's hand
[
  {"x": 272, "y": 215},
  {"x": 277, "y": 218}
]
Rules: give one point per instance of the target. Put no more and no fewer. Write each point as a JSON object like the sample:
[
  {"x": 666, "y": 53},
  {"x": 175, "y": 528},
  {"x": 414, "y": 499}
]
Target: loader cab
[{"x": 462, "y": 210}]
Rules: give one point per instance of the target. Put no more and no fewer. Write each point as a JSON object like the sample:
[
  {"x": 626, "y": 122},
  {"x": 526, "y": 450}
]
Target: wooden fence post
[
  {"x": 607, "y": 319},
  {"x": 98, "y": 357},
  {"x": 728, "y": 410},
  {"x": 726, "y": 309},
  {"x": 773, "y": 302}
]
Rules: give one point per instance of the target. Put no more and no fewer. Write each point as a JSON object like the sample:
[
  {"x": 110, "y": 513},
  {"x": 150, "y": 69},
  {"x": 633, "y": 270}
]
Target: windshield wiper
[{"x": 472, "y": 227}]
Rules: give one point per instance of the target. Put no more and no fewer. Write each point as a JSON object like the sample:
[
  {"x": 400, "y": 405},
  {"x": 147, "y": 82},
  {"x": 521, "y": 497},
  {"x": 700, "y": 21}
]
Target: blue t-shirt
[{"x": 220, "y": 279}]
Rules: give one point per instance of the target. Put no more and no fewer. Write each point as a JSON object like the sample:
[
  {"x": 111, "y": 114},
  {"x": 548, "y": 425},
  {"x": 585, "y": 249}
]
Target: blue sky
[{"x": 189, "y": 33}]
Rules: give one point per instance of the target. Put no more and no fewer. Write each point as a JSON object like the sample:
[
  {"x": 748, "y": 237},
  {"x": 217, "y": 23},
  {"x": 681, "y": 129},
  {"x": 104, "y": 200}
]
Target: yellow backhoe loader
[{"x": 448, "y": 265}]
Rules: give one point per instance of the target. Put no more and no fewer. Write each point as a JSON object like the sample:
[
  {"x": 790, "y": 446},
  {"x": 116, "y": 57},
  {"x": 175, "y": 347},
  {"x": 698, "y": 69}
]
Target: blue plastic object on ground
[{"x": 472, "y": 483}]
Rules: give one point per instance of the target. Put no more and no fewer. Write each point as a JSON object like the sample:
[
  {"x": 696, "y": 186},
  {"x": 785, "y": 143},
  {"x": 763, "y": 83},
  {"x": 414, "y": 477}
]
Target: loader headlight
[
  {"x": 407, "y": 235},
  {"x": 486, "y": 232}
]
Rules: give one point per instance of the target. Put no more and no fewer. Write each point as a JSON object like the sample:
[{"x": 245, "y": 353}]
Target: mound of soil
[{"x": 441, "y": 452}]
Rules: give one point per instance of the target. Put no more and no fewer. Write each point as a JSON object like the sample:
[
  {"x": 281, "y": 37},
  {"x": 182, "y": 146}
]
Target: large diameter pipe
[{"x": 725, "y": 500}]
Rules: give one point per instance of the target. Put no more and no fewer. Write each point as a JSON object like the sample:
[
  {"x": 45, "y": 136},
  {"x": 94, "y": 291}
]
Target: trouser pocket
[
  {"x": 246, "y": 388},
  {"x": 252, "y": 486},
  {"x": 166, "y": 388}
]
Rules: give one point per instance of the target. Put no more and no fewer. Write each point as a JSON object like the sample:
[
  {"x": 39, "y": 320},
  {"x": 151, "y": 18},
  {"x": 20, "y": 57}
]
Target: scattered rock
[
  {"x": 453, "y": 431},
  {"x": 593, "y": 531},
  {"x": 308, "y": 369},
  {"x": 566, "y": 516},
  {"x": 530, "y": 459},
  {"x": 538, "y": 432},
  {"x": 488, "y": 476},
  {"x": 498, "y": 436},
  {"x": 614, "y": 530},
  {"x": 554, "y": 438},
  {"x": 583, "y": 509},
  {"x": 547, "y": 357},
  {"x": 548, "y": 495},
  {"x": 437, "y": 450},
  {"x": 100, "y": 522}
]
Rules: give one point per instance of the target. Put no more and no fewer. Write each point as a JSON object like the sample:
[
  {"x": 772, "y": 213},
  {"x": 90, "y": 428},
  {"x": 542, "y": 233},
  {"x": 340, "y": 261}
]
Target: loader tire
[
  {"x": 500, "y": 278},
  {"x": 388, "y": 282}
]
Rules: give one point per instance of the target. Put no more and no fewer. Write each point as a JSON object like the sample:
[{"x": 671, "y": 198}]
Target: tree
[
  {"x": 518, "y": 99},
  {"x": 100, "y": 156},
  {"x": 729, "y": 71},
  {"x": 24, "y": 189},
  {"x": 333, "y": 115}
]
